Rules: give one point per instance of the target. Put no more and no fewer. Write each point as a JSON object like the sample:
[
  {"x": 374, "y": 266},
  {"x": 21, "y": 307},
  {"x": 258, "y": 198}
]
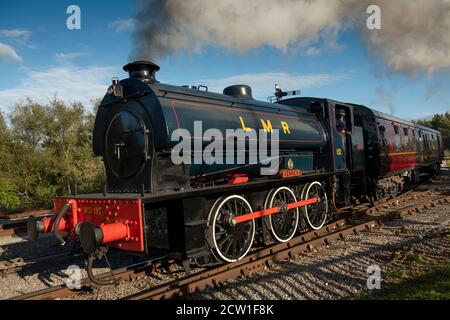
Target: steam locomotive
[{"x": 330, "y": 155}]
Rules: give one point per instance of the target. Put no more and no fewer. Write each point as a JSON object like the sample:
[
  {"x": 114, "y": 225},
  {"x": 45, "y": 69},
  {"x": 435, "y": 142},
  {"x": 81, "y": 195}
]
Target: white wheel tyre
[
  {"x": 282, "y": 226},
  {"x": 305, "y": 187},
  {"x": 315, "y": 214},
  {"x": 230, "y": 242}
]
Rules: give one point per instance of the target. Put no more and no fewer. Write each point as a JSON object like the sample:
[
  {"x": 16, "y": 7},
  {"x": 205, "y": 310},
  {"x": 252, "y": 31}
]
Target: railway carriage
[
  {"x": 406, "y": 152},
  {"x": 330, "y": 155}
]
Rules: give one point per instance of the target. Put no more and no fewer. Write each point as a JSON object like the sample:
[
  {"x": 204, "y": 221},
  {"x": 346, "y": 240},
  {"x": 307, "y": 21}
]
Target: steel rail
[
  {"x": 256, "y": 261},
  {"x": 261, "y": 259},
  {"x": 18, "y": 226},
  {"x": 124, "y": 273},
  {"x": 250, "y": 265}
]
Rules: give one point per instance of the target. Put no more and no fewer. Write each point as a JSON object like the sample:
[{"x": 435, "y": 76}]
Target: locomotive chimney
[{"x": 142, "y": 70}]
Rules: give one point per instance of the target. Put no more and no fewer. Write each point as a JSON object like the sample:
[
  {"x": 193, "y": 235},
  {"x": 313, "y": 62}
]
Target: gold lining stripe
[{"x": 401, "y": 153}]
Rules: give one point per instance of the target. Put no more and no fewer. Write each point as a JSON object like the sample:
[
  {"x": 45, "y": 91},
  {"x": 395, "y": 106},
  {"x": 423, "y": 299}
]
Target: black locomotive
[{"x": 329, "y": 155}]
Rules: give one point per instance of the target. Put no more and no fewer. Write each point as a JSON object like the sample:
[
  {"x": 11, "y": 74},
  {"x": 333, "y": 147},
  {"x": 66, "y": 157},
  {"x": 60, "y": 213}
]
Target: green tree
[
  {"x": 50, "y": 147},
  {"x": 440, "y": 122},
  {"x": 8, "y": 195}
]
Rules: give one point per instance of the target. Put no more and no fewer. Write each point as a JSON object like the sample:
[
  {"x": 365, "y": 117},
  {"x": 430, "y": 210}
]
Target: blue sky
[{"x": 40, "y": 57}]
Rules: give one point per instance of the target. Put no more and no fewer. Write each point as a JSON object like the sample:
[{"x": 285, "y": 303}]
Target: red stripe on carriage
[{"x": 268, "y": 212}]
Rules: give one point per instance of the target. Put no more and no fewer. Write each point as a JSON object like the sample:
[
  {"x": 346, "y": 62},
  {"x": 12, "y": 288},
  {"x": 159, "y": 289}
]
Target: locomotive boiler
[
  {"x": 133, "y": 132},
  {"x": 209, "y": 212}
]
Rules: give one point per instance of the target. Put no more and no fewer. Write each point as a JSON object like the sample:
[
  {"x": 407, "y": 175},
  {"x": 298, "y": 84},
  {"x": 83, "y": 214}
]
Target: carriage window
[
  {"x": 407, "y": 140},
  {"x": 382, "y": 130},
  {"x": 414, "y": 133},
  {"x": 398, "y": 141}
]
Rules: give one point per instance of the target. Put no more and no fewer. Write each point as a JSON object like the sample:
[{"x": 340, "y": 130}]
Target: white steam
[{"x": 414, "y": 35}]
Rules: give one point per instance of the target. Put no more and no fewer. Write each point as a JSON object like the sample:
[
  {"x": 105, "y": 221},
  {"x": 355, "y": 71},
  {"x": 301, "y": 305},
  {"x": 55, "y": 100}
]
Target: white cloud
[
  {"x": 425, "y": 115},
  {"x": 262, "y": 84},
  {"x": 83, "y": 84},
  {"x": 15, "y": 33},
  {"x": 312, "y": 51},
  {"x": 66, "y": 57},
  {"x": 123, "y": 25},
  {"x": 68, "y": 83},
  {"x": 7, "y": 53}
]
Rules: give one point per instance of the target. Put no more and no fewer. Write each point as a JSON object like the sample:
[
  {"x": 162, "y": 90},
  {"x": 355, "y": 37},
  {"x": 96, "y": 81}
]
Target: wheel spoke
[
  {"x": 283, "y": 224},
  {"x": 220, "y": 233},
  {"x": 316, "y": 214},
  {"x": 231, "y": 242},
  {"x": 228, "y": 247},
  {"x": 224, "y": 239},
  {"x": 229, "y": 207}
]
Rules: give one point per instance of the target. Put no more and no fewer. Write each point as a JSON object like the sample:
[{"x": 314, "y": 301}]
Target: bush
[
  {"x": 9, "y": 198},
  {"x": 46, "y": 150}
]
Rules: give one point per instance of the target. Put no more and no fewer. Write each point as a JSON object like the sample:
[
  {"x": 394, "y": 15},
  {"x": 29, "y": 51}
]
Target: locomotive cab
[{"x": 346, "y": 149}]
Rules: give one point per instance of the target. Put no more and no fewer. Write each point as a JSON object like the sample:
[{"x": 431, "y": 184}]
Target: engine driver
[{"x": 341, "y": 123}]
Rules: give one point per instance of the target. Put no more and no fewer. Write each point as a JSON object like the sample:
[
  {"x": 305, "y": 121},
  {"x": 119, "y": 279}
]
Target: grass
[
  {"x": 417, "y": 257},
  {"x": 409, "y": 276},
  {"x": 447, "y": 153},
  {"x": 434, "y": 285},
  {"x": 447, "y": 232},
  {"x": 446, "y": 162},
  {"x": 400, "y": 274}
]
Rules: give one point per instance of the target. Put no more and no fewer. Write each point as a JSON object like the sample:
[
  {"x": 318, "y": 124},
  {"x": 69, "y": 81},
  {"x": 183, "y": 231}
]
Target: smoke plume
[
  {"x": 414, "y": 35},
  {"x": 385, "y": 98}
]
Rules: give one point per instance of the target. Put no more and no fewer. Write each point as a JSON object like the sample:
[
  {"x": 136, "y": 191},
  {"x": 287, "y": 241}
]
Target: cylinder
[
  {"x": 45, "y": 225},
  {"x": 91, "y": 237},
  {"x": 113, "y": 232}
]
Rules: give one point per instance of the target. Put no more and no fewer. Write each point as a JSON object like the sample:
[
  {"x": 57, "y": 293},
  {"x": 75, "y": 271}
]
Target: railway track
[
  {"x": 24, "y": 214},
  {"x": 386, "y": 204},
  {"x": 264, "y": 258},
  {"x": 365, "y": 220},
  {"x": 254, "y": 262},
  {"x": 125, "y": 273},
  {"x": 18, "y": 264},
  {"x": 13, "y": 228},
  {"x": 16, "y": 224}
]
